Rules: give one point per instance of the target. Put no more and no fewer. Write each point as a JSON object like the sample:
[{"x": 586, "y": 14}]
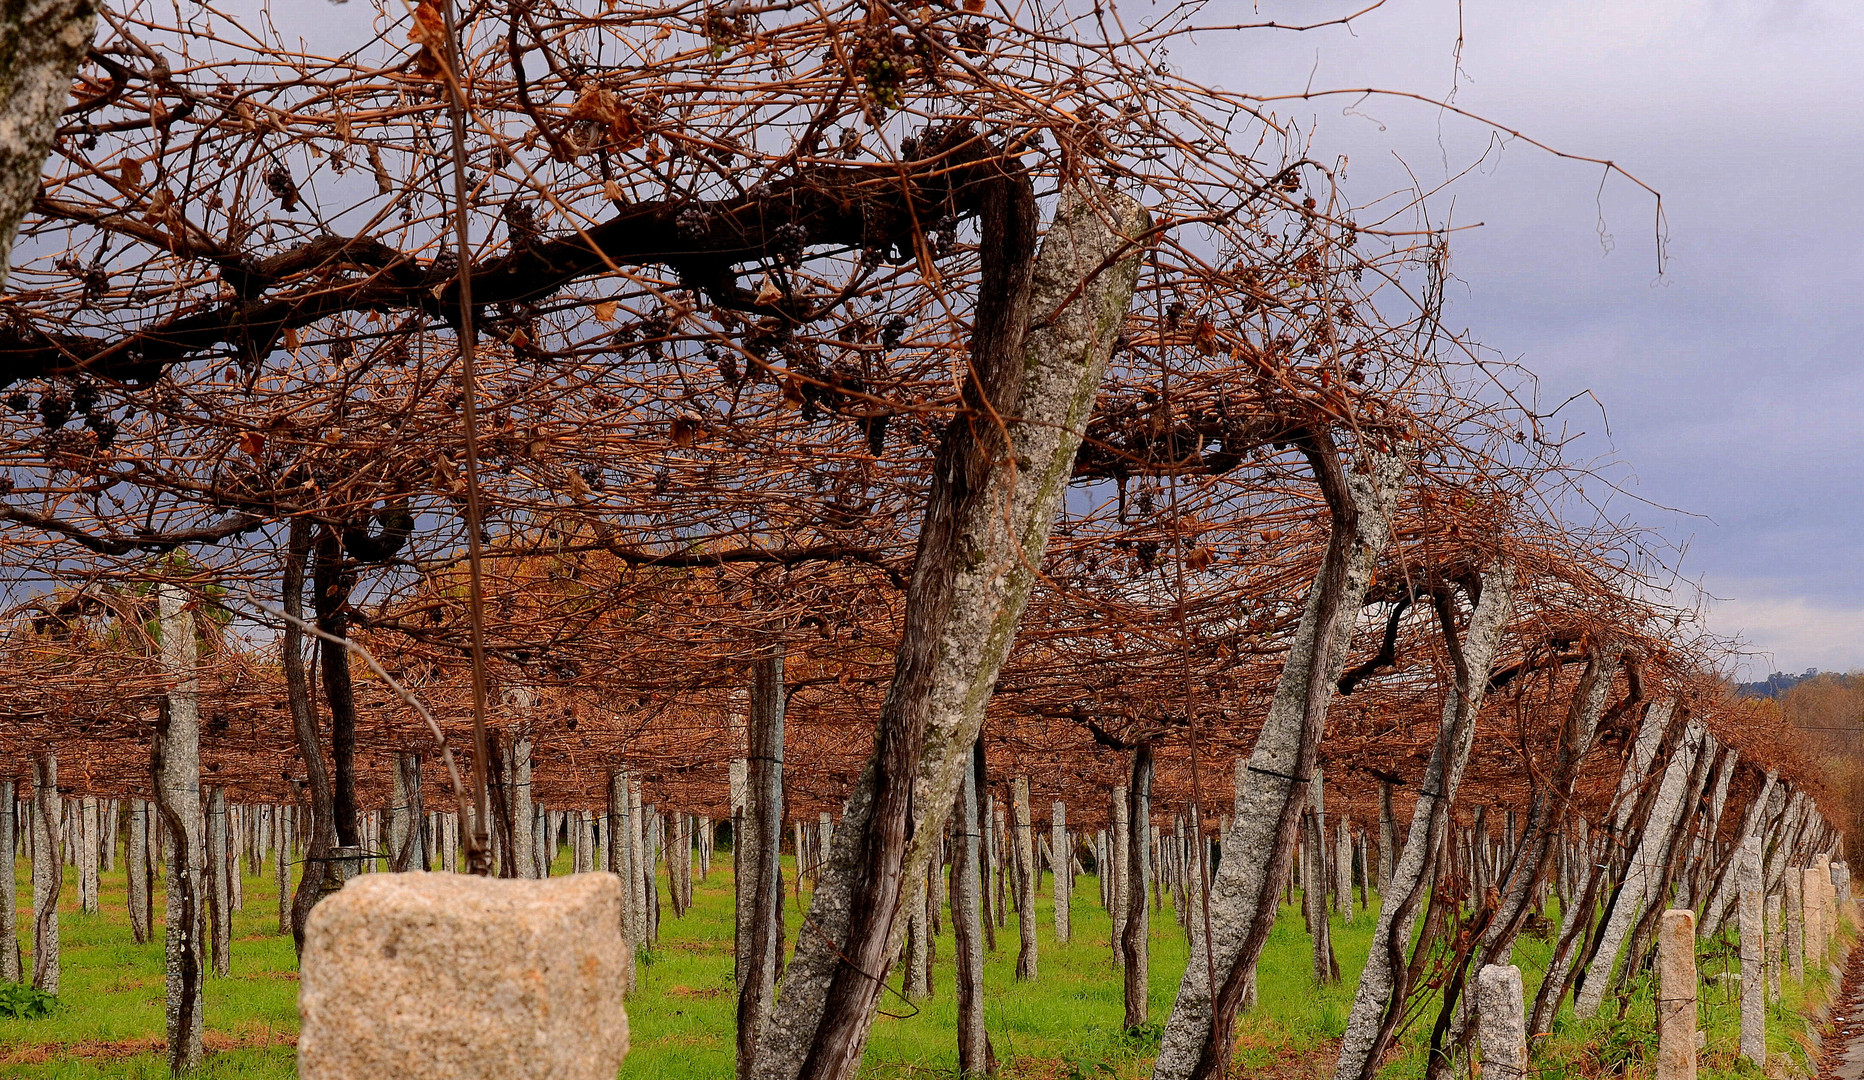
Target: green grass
[{"x": 1067, "y": 1024}]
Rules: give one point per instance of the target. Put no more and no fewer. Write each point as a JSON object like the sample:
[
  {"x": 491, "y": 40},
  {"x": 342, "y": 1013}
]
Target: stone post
[
  {"x": 1813, "y": 894},
  {"x": 1501, "y": 1021},
  {"x": 1753, "y": 978},
  {"x": 1676, "y": 995},
  {"x": 431, "y": 976},
  {"x": 1059, "y": 847},
  {"x": 47, "y": 871},
  {"x": 1025, "y": 881},
  {"x": 9, "y": 918},
  {"x": 1776, "y": 943},
  {"x": 1795, "y": 925},
  {"x": 88, "y": 854},
  {"x": 281, "y": 863}
]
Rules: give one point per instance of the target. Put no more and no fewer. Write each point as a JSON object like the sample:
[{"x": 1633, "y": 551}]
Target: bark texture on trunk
[
  {"x": 1064, "y": 877},
  {"x": 10, "y": 957},
  {"x": 1533, "y": 855},
  {"x": 177, "y": 769},
  {"x": 1256, "y": 853},
  {"x": 1030, "y": 869},
  {"x": 1642, "y": 872},
  {"x": 1378, "y": 1003},
  {"x": 320, "y": 828},
  {"x": 47, "y": 871},
  {"x": 1042, "y": 336},
  {"x": 282, "y": 820},
  {"x": 760, "y": 888},
  {"x": 1576, "y": 920},
  {"x": 975, "y": 1057},
  {"x": 1135, "y": 938},
  {"x": 219, "y": 887},
  {"x": 43, "y": 42}
]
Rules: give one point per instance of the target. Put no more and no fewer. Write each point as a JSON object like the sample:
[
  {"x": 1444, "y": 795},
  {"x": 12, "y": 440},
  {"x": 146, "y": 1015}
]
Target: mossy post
[
  {"x": 9, "y": 917},
  {"x": 177, "y": 762},
  {"x": 47, "y": 870},
  {"x": 974, "y": 1052},
  {"x": 1064, "y": 878},
  {"x": 1135, "y": 932},
  {"x": 1029, "y": 870}
]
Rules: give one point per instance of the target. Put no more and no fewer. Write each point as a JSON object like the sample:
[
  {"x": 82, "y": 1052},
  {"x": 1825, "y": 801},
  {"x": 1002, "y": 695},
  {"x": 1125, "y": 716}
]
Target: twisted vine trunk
[
  {"x": 177, "y": 768},
  {"x": 759, "y": 846},
  {"x": 1378, "y": 1003},
  {"x": 1042, "y": 336},
  {"x": 9, "y": 918},
  {"x": 1135, "y": 935},
  {"x": 320, "y": 835},
  {"x": 48, "y": 877},
  {"x": 1533, "y": 856},
  {"x": 1272, "y": 788},
  {"x": 975, "y": 1057}
]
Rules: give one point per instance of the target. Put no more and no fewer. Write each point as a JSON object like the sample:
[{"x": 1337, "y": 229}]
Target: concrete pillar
[
  {"x": 1026, "y": 880},
  {"x": 9, "y": 919},
  {"x": 1676, "y": 995},
  {"x": 1795, "y": 925},
  {"x": 1501, "y": 1021},
  {"x": 1753, "y": 976},
  {"x": 1813, "y": 895},
  {"x": 1064, "y": 886},
  {"x": 1776, "y": 946},
  {"x": 47, "y": 871},
  {"x": 88, "y": 855},
  {"x": 1343, "y": 868},
  {"x": 281, "y": 863}
]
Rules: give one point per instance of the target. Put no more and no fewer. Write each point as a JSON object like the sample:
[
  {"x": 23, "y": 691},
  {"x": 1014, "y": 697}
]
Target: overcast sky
[{"x": 1731, "y": 384}]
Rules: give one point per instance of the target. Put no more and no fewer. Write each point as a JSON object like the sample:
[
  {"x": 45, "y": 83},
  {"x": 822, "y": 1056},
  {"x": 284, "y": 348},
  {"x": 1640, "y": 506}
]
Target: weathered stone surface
[
  {"x": 1676, "y": 995},
  {"x": 419, "y": 976},
  {"x": 1501, "y": 1020},
  {"x": 1753, "y": 985}
]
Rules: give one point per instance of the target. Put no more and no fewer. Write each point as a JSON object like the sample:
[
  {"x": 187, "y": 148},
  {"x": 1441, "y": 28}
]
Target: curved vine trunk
[
  {"x": 177, "y": 768},
  {"x": 9, "y": 926},
  {"x": 320, "y": 834},
  {"x": 48, "y": 876},
  {"x": 1534, "y": 855},
  {"x": 1378, "y": 1003},
  {"x": 1041, "y": 340},
  {"x": 1273, "y": 786},
  {"x": 1644, "y": 872}
]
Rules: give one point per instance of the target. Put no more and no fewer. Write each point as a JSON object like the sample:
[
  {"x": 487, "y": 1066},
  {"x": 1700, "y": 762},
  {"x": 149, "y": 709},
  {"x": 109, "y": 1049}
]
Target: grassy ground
[{"x": 1066, "y": 1025}]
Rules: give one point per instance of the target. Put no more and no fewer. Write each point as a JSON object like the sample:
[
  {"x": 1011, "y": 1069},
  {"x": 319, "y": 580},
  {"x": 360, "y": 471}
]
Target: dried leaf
[
  {"x": 605, "y": 311},
  {"x": 792, "y": 392},
  {"x": 683, "y": 430},
  {"x": 384, "y": 183},
  {"x": 1205, "y": 338},
  {"x": 973, "y": 6},
  {"x": 1199, "y": 558},
  {"x": 131, "y": 171},
  {"x": 768, "y": 293},
  {"x": 291, "y": 338},
  {"x": 252, "y": 442},
  {"x": 601, "y": 106},
  {"x": 430, "y": 33}
]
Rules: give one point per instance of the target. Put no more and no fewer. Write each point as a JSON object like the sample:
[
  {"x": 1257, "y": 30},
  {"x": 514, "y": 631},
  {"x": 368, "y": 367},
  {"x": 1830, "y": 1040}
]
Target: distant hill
[{"x": 1778, "y": 683}]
